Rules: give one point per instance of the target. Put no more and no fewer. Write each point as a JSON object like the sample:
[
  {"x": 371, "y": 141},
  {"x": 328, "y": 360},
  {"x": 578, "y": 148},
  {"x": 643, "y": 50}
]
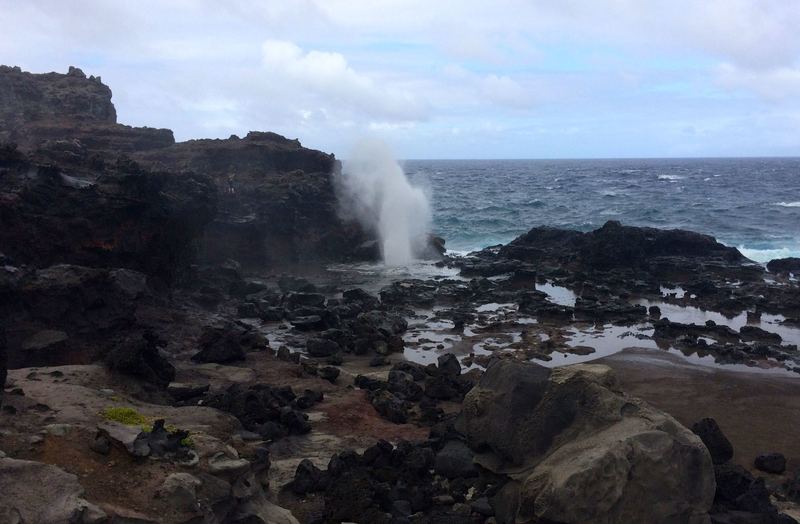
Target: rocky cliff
[
  {"x": 273, "y": 200},
  {"x": 37, "y": 108},
  {"x": 277, "y": 199}
]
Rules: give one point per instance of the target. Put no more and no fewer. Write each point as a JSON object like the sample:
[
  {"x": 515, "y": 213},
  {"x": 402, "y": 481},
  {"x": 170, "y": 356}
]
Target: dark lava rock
[
  {"x": 320, "y": 347},
  {"x": 774, "y": 463},
  {"x": 101, "y": 444},
  {"x": 141, "y": 358},
  {"x": 742, "y": 498},
  {"x": 449, "y": 365},
  {"x": 395, "y": 484},
  {"x": 263, "y": 409},
  {"x": 756, "y": 333},
  {"x": 279, "y": 207},
  {"x": 227, "y": 343},
  {"x": 329, "y": 373},
  {"x": 390, "y": 406},
  {"x": 285, "y": 354},
  {"x": 717, "y": 443},
  {"x": 616, "y": 246},
  {"x": 308, "y": 478},
  {"x": 455, "y": 460},
  {"x": 182, "y": 391},
  {"x": 295, "y": 300},
  {"x": 112, "y": 214},
  {"x": 784, "y": 265},
  {"x": 74, "y": 313},
  {"x": 159, "y": 442}
]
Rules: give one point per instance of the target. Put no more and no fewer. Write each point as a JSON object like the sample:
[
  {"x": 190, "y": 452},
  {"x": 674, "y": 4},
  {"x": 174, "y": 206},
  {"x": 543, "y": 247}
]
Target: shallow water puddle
[
  {"x": 558, "y": 294},
  {"x": 694, "y": 315}
]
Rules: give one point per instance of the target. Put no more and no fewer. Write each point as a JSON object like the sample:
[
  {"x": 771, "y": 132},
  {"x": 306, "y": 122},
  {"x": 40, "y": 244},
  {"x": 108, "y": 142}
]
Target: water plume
[{"x": 375, "y": 191}]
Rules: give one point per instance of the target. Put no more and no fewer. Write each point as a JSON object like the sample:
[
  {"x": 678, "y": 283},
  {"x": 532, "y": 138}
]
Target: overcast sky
[{"x": 439, "y": 78}]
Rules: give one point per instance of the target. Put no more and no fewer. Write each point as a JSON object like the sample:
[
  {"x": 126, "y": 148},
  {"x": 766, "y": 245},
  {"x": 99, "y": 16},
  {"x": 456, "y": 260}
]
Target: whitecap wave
[
  {"x": 787, "y": 204},
  {"x": 670, "y": 177},
  {"x": 765, "y": 255}
]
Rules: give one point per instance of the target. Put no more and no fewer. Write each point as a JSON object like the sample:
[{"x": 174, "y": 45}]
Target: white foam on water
[{"x": 765, "y": 255}]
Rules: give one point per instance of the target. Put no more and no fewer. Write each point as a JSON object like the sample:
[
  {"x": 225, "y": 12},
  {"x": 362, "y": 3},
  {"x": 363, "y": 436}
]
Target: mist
[{"x": 375, "y": 191}]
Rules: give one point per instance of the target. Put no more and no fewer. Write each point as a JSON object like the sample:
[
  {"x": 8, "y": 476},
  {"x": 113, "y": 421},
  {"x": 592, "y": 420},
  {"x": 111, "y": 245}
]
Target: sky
[{"x": 439, "y": 78}]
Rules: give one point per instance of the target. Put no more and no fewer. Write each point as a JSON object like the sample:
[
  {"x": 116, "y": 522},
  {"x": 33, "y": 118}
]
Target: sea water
[{"x": 752, "y": 204}]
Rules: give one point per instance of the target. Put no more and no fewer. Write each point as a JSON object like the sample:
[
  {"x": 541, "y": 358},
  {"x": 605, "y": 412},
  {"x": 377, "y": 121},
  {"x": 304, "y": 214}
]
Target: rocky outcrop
[
  {"x": 277, "y": 203},
  {"x": 277, "y": 199},
  {"x": 580, "y": 450},
  {"x": 615, "y": 246},
  {"x": 784, "y": 265},
  {"x": 37, "y": 108},
  {"x": 100, "y": 215},
  {"x": 69, "y": 314}
]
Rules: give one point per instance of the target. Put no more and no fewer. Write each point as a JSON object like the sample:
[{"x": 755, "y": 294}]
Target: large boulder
[
  {"x": 580, "y": 450},
  {"x": 36, "y": 492}
]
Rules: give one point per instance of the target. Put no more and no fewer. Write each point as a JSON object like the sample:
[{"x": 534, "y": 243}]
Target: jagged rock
[
  {"x": 390, "y": 406},
  {"x": 774, "y": 463},
  {"x": 72, "y": 304},
  {"x": 448, "y": 365},
  {"x": 714, "y": 439},
  {"x": 616, "y": 246},
  {"x": 180, "y": 490},
  {"x": 263, "y": 409},
  {"x": 277, "y": 203},
  {"x": 112, "y": 216},
  {"x": 784, "y": 265},
  {"x": 24, "y": 485},
  {"x": 227, "y": 343},
  {"x": 160, "y": 442},
  {"x": 307, "y": 478},
  {"x": 620, "y": 461},
  {"x": 141, "y": 358}
]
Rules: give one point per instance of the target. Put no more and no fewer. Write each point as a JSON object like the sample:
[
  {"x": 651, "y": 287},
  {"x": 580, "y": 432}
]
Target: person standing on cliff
[{"x": 231, "y": 176}]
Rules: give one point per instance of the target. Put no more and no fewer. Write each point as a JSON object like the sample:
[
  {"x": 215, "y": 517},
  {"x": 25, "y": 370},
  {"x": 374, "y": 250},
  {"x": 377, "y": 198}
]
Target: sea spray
[{"x": 375, "y": 191}]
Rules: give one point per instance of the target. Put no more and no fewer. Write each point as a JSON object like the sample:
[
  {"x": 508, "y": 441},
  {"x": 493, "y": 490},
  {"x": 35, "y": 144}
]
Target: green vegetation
[
  {"x": 127, "y": 416},
  {"x": 131, "y": 417}
]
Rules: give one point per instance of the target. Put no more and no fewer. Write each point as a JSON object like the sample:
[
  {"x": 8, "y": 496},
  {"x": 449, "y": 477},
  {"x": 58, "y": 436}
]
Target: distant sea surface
[{"x": 752, "y": 204}]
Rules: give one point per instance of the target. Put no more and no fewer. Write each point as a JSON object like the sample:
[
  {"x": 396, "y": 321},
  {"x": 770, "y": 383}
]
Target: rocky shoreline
[{"x": 193, "y": 334}]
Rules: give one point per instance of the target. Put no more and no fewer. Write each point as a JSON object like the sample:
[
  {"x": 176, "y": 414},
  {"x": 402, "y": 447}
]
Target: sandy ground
[{"x": 758, "y": 412}]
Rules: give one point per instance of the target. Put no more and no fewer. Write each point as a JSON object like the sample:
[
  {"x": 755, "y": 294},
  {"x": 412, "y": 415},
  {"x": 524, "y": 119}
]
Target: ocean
[{"x": 750, "y": 203}]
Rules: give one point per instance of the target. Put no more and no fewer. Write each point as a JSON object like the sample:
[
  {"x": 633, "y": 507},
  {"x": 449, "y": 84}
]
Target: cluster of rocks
[
  {"x": 269, "y": 412},
  {"x": 739, "y": 496},
  {"x": 726, "y": 345},
  {"x": 412, "y": 391},
  {"x": 426, "y": 482},
  {"x": 524, "y": 448}
]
